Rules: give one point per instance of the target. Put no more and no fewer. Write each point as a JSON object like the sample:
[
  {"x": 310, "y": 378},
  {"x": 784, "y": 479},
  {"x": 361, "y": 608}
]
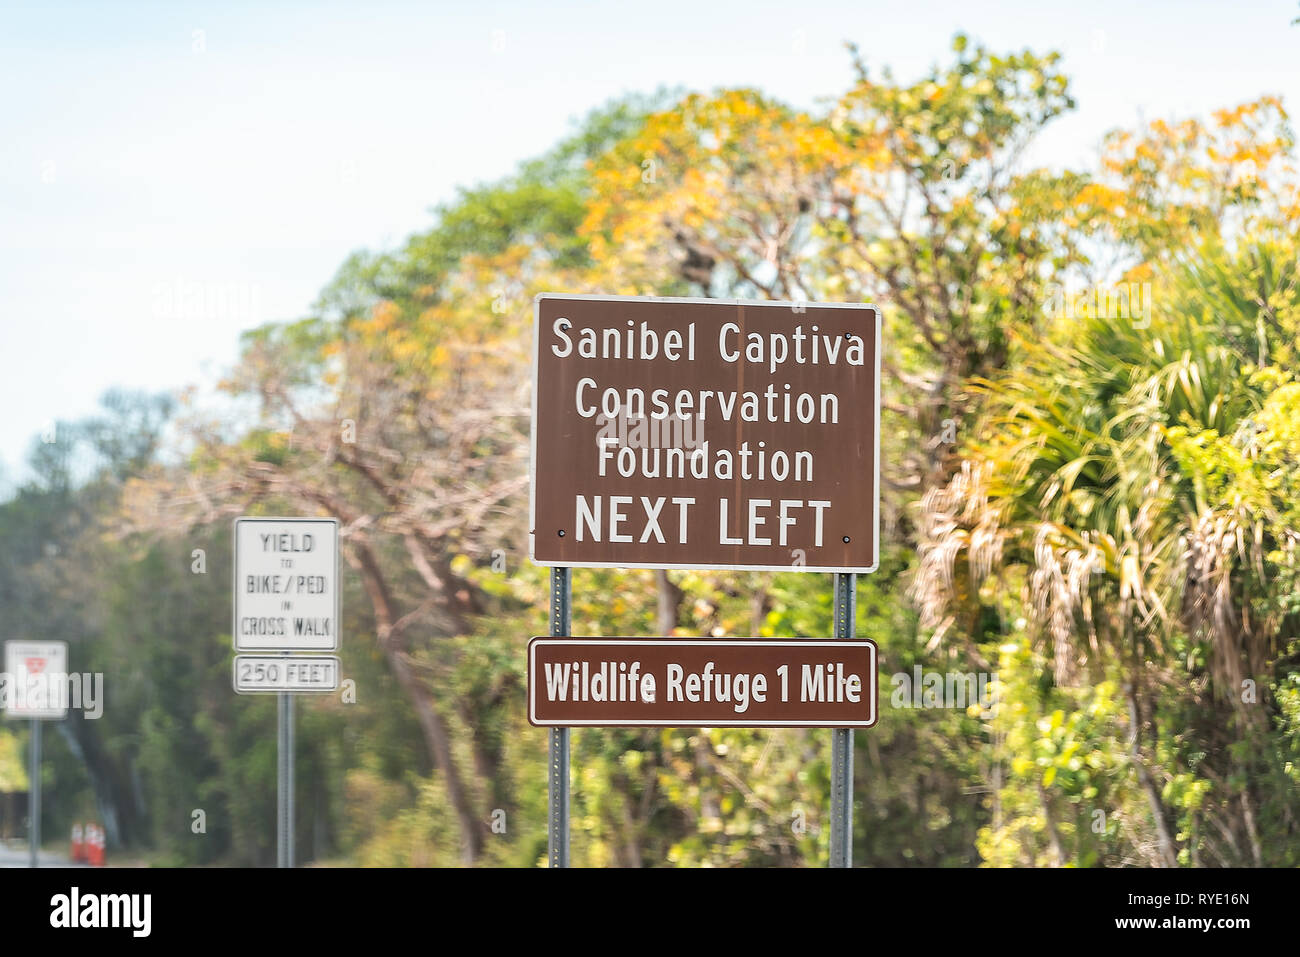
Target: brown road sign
[
  {"x": 697, "y": 433},
  {"x": 697, "y": 682}
]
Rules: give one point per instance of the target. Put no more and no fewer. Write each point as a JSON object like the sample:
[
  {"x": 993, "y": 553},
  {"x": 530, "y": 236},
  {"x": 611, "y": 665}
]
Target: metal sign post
[
  {"x": 34, "y": 793},
  {"x": 37, "y": 672},
  {"x": 289, "y": 767},
  {"x": 842, "y": 739},
  {"x": 673, "y": 433},
  {"x": 287, "y": 601},
  {"x": 284, "y": 782},
  {"x": 558, "y": 775}
]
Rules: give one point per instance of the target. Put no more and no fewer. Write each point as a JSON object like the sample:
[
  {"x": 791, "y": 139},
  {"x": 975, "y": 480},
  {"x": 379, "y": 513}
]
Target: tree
[
  {"x": 1110, "y": 490},
  {"x": 403, "y": 413}
]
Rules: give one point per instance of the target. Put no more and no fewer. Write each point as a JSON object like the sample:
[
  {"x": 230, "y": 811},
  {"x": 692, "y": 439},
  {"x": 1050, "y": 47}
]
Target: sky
[{"x": 174, "y": 173}]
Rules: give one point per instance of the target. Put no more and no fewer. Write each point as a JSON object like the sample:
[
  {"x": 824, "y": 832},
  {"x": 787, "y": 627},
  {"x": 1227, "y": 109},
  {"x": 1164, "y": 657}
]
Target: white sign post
[
  {"x": 286, "y": 589},
  {"x": 36, "y": 688}
]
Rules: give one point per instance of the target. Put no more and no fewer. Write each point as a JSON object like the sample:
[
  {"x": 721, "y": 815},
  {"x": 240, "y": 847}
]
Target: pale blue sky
[{"x": 172, "y": 173}]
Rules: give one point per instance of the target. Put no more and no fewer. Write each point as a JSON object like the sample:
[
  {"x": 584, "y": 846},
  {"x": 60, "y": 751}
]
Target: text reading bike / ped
[
  {"x": 286, "y": 584},
  {"x": 714, "y": 683},
  {"x": 687, "y": 433}
]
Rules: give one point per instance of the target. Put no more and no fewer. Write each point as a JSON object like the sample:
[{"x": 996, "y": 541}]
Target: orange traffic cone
[
  {"x": 76, "y": 848},
  {"x": 95, "y": 851}
]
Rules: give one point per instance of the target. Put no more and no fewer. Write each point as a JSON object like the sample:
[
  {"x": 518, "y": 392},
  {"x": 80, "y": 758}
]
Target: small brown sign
[
  {"x": 697, "y": 433},
  {"x": 698, "y": 682}
]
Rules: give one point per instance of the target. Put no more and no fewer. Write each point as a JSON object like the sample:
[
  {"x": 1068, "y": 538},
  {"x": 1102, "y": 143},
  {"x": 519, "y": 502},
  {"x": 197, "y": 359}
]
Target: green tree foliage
[
  {"x": 1089, "y": 500},
  {"x": 1124, "y": 487}
]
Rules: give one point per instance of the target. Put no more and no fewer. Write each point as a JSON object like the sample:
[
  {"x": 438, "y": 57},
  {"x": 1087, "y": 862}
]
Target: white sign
[
  {"x": 280, "y": 674},
  {"x": 286, "y": 584},
  {"x": 35, "y": 682}
]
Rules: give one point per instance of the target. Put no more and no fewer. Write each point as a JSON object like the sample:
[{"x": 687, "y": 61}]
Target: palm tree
[{"x": 1113, "y": 475}]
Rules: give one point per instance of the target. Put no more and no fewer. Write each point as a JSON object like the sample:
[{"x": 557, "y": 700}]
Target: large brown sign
[
  {"x": 697, "y": 682},
  {"x": 695, "y": 433}
]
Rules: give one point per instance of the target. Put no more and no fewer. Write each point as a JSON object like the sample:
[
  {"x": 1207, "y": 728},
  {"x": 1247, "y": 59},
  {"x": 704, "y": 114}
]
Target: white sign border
[
  {"x": 338, "y": 671},
  {"x": 710, "y": 642},
  {"x": 234, "y": 586},
  {"x": 747, "y": 303},
  {"x": 48, "y": 715}
]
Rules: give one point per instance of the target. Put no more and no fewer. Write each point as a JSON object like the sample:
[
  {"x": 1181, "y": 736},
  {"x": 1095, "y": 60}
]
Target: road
[{"x": 17, "y": 855}]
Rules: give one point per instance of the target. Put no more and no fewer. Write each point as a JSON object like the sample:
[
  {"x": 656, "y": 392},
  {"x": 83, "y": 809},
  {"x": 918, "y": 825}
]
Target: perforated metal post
[
  {"x": 34, "y": 794},
  {"x": 558, "y": 769},
  {"x": 842, "y": 739},
  {"x": 284, "y": 782},
  {"x": 289, "y": 817},
  {"x": 279, "y": 780}
]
